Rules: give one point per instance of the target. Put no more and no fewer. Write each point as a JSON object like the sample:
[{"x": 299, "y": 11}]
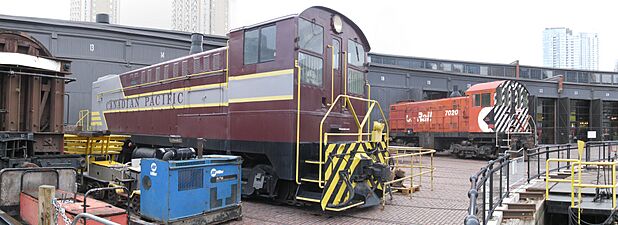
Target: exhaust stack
[
  {"x": 102, "y": 18},
  {"x": 196, "y": 43}
]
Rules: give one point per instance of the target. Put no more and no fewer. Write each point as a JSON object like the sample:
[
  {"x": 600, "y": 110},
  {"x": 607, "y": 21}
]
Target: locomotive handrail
[
  {"x": 298, "y": 118},
  {"x": 359, "y": 127},
  {"x": 326, "y": 134},
  {"x": 332, "y": 74}
]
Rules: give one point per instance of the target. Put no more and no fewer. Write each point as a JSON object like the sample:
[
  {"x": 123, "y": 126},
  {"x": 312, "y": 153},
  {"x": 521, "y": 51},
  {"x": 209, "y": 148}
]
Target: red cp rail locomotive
[
  {"x": 288, "y": 95},
  {"x": 489, "y": 119}
]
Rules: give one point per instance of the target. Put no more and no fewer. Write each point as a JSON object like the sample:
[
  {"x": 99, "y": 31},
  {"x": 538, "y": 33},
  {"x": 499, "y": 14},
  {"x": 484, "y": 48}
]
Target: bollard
[{"x": 46, "y": 208}]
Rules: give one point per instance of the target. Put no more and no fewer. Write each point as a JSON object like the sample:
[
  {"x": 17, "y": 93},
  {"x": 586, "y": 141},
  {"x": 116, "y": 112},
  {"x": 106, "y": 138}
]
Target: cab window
[
  {"x": 356, "y": 82},
  {"x": 336, "y": 50},
  {"x": 260, "y": 44},
  {"x": 310, "y": 69},
  {"x": 310, "y": 36},
  {"x": 477, "y": 100},
  {"x": 356, "y": 53},
  {"x": 485, "y": 100}
]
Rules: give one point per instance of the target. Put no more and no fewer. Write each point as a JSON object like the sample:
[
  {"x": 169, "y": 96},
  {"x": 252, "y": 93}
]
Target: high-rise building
[
  {"x": 563, "y": 49},
  {"x": 201, "y": 16},
  {"x": 87, "y": 10}
]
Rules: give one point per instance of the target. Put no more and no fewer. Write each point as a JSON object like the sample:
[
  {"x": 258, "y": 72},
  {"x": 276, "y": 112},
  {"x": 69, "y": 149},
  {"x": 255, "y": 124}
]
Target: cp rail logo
[{"x": 421, "y": 118}]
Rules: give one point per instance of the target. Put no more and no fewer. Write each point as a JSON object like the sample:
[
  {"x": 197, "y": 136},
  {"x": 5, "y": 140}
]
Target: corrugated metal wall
[{"x": 100, "y": 49}]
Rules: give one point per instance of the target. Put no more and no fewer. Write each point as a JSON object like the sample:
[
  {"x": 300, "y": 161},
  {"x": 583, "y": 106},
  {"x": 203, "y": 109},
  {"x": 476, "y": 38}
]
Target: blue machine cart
[{"x": 205, "y": 190}]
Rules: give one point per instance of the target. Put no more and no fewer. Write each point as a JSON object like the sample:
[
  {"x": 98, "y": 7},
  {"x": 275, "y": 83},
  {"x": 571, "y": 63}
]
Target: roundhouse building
[
  {"x": 584, "y": 101},
  {"x": 99, "y": 48}
]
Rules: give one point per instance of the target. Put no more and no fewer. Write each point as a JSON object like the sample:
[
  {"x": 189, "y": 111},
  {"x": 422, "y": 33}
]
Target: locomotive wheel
[{"x": 285, "y": 192}]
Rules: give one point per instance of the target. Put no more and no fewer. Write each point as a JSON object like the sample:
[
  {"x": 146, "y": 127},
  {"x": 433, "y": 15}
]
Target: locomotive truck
[
  {"x": 489, "y": 119},
  {"x": 289, "y": 95}
]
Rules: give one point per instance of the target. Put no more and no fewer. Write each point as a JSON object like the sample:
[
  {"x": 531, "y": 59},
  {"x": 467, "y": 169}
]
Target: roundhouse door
[{"x": 334, "y": 77}]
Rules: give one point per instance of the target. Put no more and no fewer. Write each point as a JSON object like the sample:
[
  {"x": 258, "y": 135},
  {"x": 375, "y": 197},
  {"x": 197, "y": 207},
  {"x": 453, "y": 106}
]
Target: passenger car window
[{"x": 311, "y": 36}]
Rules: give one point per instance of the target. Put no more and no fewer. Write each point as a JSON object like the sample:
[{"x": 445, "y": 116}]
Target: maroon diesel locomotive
[{"x": 289, "y": 95}]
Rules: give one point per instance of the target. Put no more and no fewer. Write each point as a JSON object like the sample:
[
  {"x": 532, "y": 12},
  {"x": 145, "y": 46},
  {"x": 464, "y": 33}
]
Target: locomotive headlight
[{"x": 337, "y": 23}]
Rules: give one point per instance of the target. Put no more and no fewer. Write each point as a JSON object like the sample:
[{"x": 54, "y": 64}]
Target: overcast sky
[{"x": 472, "y": 30}]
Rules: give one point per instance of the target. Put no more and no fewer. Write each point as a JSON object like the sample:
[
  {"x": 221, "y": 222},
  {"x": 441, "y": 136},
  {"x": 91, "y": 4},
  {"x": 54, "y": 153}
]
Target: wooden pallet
[{"x": 406, "y": 191}]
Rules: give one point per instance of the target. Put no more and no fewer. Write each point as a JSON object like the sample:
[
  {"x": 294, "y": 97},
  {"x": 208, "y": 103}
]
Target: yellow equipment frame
[{"x": 577, "y": 183}]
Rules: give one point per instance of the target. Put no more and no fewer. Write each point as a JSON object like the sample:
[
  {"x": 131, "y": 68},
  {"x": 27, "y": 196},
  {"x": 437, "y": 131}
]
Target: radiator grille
[{"x": 190, "y": 179}]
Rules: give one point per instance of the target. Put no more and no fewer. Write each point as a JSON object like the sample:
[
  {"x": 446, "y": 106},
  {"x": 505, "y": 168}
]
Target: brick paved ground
[{"x": 446, "y": 204}]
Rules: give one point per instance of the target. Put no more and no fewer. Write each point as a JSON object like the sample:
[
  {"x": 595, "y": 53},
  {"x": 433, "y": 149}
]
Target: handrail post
[
  {"x": 572, "y": 186},
  {"x": 614, "y": 186},
  {"x": 587, "y": 152},
  {"x": 604, "y": 151},
  {"x": 528, "y": 163},
  {"x": 508, "y": 174},
  {"x": 547, "y": 158},
  {"x": 569, "y": 156},
  {"x": 484, "y": 198},
  {"x": 501, "y": 167},
  {"x": 491, "y": 187},
  {"x": 547, "y": 161}
]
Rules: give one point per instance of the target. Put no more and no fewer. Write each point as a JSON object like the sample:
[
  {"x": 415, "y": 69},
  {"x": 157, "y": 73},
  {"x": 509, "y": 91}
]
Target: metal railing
[
  {"x": 93, "y": 145},
  {"x": 88, "y": 216},
  {"x": 563, "y": 157},
  {"x": 572, "y": 180},
  {"x": 399, "y": 155},
  {"x": 83, "y": 122},
  {"x": 594, "y": 151},
  {"x": 484, "y": 181},
  {"x": 581, "y": 185}
]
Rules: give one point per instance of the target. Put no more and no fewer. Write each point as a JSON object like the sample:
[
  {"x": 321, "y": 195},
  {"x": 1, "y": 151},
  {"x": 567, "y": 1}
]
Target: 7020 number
[{"x": 451, "y": 112}]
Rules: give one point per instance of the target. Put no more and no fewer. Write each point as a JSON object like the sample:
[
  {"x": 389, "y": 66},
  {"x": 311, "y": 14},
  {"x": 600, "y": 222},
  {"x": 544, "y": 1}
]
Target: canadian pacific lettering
[{"x": 166, "y": 99}]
